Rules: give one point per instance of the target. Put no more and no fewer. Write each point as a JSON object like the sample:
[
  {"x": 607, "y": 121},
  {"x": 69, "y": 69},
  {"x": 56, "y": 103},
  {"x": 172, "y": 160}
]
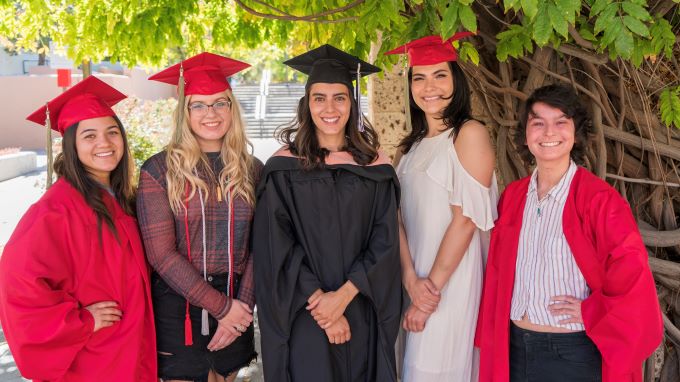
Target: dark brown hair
[
  {"x": 300, "y": 137},
  {"x": 68, "y": 166},
  {"x": 563, "y": 98},
  {"x": 455, "y": 114}
]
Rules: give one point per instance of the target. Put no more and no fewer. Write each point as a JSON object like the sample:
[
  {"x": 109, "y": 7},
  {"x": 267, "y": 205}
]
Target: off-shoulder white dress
[{"x": 432, "y": 179}]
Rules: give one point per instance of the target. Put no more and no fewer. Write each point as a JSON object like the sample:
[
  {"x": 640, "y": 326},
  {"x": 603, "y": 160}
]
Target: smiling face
[
  {"x": 210, "y": 123},
  {"x": 432, "y": 87},
  {"x": 330, "y": 106},
  {"x": 549, "y": 134},
  {"x": 100, "y": 147}
]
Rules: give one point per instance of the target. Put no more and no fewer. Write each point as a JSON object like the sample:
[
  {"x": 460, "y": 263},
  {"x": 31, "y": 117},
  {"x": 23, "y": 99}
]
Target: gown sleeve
[
  {"x": 45, "y": 326},
  {"x": 375, "y": 271},
  {"x": 283, "y": 279},
  {"x": 623, "y": 316}
]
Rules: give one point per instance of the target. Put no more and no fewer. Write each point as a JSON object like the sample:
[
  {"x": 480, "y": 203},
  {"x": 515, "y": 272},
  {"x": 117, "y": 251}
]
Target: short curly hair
[{"x": 565, "y": 99}]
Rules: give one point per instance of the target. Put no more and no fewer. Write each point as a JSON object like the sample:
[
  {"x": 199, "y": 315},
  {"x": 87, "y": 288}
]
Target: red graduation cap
[
  {"x": 204, "y": 73},
  {"x": 90, "y": 98},
  {"x": 430, "y": 50}
]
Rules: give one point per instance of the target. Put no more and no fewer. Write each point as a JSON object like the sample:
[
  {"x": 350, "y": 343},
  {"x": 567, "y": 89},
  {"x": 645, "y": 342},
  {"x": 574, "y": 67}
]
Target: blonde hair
[{"x": 183, "y": 155}]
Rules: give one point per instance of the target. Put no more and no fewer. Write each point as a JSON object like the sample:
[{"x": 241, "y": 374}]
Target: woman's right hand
[
  {"x": 239, "y": 317},
  {"x": 339, "y": 331},
  {"x": 105, "y": 314},
  {"x": 415, "y": 319},
  {"x": 423, "y": 294}
]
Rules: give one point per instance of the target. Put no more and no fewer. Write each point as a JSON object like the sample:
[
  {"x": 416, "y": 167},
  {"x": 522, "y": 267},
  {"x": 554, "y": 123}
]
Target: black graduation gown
[{"x": 317, "y": 229}]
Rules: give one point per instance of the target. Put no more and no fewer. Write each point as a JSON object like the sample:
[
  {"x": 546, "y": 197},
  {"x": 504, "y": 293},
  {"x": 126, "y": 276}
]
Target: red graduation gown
[
  {"x": 622, "y": 314},
  {"x": 52, "y": 267}
]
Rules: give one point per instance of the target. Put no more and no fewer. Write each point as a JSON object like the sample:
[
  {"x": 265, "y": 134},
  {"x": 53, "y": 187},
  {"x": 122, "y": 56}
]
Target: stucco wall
[{"x": 387, "y": 112}]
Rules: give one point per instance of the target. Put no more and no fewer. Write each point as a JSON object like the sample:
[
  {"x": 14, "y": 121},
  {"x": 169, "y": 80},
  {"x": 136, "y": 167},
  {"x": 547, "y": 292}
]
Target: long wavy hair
[
  {"x": 183, "y": 155},
  {"x": 300, "y": 137},
  {"x": 455, "y": 114},
  {"x": 68, "y": 166}
]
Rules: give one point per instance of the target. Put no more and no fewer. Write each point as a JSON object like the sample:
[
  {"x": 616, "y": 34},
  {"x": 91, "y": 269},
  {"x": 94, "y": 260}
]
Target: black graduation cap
[{"x": 329, "y": 64}]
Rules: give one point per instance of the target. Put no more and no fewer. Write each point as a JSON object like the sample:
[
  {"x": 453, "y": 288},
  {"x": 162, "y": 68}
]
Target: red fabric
[
  {"x": 52, "y": 267},
  {"x": 90, "y": 98},
  {"x": 622, "y": 314},
  {"x": 204, "y": 73},
  {"x": 430, "y": 50}
]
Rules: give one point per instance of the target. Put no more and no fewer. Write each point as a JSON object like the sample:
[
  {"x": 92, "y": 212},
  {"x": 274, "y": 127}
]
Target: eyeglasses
[{"x": 199, "y": 108}]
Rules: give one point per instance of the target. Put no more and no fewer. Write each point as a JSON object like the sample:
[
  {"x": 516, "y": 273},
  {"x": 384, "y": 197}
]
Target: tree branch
[
  {"x": 643, "y": 181},
  {"x": 579, "y": 39},
  {"x": 311, "y": 18}
]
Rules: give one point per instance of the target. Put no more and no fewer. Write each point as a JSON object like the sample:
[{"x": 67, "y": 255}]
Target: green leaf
[
  {"x": 598, "y": 7},
  {"x": 542, "y": 27},
  {"x": 637, "y": 56},
  {"x": 450, "y": 19},
  {"x": 669, "y": 104},
  {"x": 606, "y": 17},
  {"x": 559, "y": 23},
  {"x": 509, "y": 4},
  {"x": 569, "y": 9},
  {"x": 636, "y": 10},
  {"x": 530, "y": 8},
  {"x": 624, "y": 44},
  {"x": 663, "y": 38},
  {"x": 468, "y": 52},
  {"x": 468, "y": 18},
  {"x": 513, "y": 42},
  {"x": 612, "y": 32},
  {"x": 587, "y": 34},
  {"x": 636, "y": 26}
]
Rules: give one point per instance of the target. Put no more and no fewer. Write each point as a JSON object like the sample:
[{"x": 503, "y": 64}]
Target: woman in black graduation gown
[{"x": 325, "y": 237}]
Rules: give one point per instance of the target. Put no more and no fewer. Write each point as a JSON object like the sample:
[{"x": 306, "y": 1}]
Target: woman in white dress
[{"x": 448, "y": 205}]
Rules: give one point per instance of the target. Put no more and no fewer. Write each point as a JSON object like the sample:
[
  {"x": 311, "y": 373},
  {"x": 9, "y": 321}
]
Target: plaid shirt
[{"x": 165, "y": 240}]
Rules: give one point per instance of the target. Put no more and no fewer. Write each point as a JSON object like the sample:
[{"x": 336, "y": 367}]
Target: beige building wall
[
  {"x": 386, "y": 108},
  {"x": 21, "y": 95}
]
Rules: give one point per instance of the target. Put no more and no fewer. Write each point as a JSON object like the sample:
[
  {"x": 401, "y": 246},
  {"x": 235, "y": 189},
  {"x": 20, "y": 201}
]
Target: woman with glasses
[{"x": 195, "y": 204}]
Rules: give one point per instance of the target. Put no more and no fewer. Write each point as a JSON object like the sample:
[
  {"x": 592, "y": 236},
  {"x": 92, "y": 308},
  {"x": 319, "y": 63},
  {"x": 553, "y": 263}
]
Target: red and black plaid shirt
[{"x": 165, "y": 240}]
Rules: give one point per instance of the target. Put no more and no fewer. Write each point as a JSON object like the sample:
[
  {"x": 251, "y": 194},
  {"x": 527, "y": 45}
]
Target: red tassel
[{"x": 188, "y": 335}]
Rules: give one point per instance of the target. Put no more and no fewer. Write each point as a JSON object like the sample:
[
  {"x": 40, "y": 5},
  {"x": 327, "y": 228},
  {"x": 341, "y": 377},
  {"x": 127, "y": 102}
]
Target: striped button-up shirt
[{"x": 545, "y": 265}]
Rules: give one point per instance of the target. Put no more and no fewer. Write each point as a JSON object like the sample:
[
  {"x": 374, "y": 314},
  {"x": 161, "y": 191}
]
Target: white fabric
[{"x": 432, "y": 179}]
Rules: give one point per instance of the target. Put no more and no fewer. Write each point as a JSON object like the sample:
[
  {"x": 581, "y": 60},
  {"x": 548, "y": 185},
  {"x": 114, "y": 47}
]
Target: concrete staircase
[{"x": 280, "y": 106}]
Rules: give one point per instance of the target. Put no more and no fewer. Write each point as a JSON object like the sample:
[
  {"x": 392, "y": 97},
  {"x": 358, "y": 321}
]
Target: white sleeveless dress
[{"x": 432, "y": 179}]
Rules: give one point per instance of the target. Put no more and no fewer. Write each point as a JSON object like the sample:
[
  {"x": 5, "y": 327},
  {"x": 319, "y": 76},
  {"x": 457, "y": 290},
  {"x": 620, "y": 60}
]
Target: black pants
[{"x": 553, "y": 357}]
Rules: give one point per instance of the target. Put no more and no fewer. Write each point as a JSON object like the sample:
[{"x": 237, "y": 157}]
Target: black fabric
[
  {"x": 553, "y": 357},
  {"x": 329, "y": 64},
  {"x": 318, "y": 229},
  {"x": 193, "y": 362}
]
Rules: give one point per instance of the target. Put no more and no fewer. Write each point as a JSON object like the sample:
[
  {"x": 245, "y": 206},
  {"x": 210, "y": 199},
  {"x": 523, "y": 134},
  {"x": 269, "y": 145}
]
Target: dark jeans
[{"x": 553, "y": 357}]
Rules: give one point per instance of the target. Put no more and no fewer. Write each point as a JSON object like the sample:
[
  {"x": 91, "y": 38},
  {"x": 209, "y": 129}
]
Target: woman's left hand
[
  {"x": 566, "y": 306},
  {"x": 328, "y": 308}
]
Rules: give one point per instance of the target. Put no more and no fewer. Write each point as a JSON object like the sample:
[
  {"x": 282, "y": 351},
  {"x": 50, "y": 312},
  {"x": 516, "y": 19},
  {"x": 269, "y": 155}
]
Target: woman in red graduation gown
[
  {"x": 568, "y": 294},
  {"x": 75, "y": 302}
]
